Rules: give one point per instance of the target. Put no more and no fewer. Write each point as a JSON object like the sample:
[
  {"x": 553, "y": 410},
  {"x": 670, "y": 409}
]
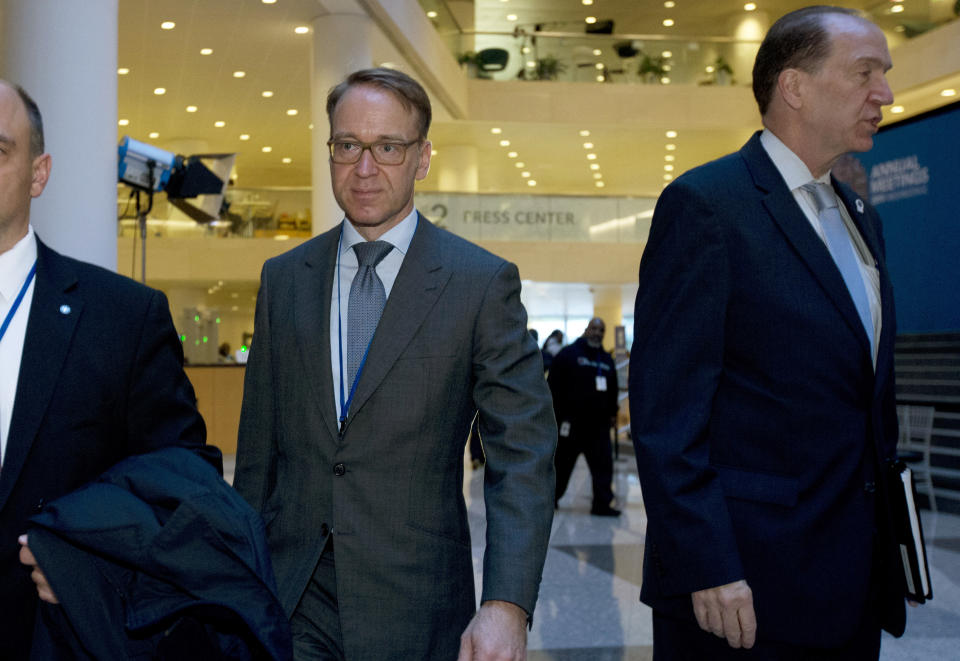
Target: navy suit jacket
[
  {"x": 389, "y": 488},
  {"x": 101, "y": 378},
  {"x": 759, "y": 422}
]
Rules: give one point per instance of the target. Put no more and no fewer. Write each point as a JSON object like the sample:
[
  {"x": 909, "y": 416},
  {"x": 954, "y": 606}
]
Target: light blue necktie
[
  {"x": 367, "y": 299},
  {"x": 840, "y": 244}
]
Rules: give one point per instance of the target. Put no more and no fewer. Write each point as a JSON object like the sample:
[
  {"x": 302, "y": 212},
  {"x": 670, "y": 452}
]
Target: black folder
[{"x": 909, "y": 532}]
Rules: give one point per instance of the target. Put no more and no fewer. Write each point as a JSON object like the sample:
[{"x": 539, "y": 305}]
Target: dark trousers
[
  {"x": 594, "y": 443},
  {"x": 683, "y": 640},
  {"x": 316, "y": 620}
]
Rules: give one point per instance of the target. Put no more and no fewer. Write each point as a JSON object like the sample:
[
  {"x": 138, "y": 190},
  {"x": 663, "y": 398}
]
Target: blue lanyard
[{"x": 16, "y": 301}]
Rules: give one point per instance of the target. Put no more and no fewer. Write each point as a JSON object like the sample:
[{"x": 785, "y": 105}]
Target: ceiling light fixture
[
  {"x": 206, "y": 51},
  {"x": 432, "y": 14},
  {"x": 590, "y": 19},
  {"x": 292, "y": 112},
  {"x": 669, "y": 158},
  {"x": 671, "y": 147},
  {"x": 511, "y": 17},
  {"x": 671, "y": 134},
  {"x": 153, "y": 135},
  {"x": 896, "y": 9},
  {"x": 666, "y": 54},
  {"x": 531, "y": 182},
  {"x": 167, "y": 25},
  {"x": 668, "y": 167},
  {"x": 668, "y": 177},
  {"x": 496, "y": 130},
  {"x": 287, "y": 160},
  {"x": 160, "y": 91},
  {"x": 504, "y": 143},
  {"x": 191, "y": 109},
  {"x": 239, "y": 74},
  {"x": 601, "y": 78},
  {"x": 599, "y": 184},
  {"x": 591, "y": 157},
  {"x": 123, "y": 71},
  {"x": 219, "y": 123},
  {"x": 669, "y": 4},
  {"x": 520, "y": 164},
  {"x": 512, "y": 154},
  {"x": 750, "y": 6},
  {"x": 597, "y": 175},
  {"x": 584, "y": 133},
  {"x": 588, "y": 145},
  {"x": 301, "y": 29},
  {"x": 948, "y": 92},
  {"x": 266, "y": 150},
  {"x": 896, "y": 110},
  {"x": 244, "y": 136},
  {"x": 668, "y": 22},
  {"x": 124, "y": 122},
  {"x": 266, "y": 94},
  {"x": 594, "y": 166},
  {"x": 524, "y": 174},
  {"x": 269, "y": 2},
  {"x": 597, "y": 52}
]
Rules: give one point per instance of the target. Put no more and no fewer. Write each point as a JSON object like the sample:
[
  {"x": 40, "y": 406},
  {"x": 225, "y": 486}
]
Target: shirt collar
[
  {"x": 399, "y": 236},
  {"x": 794, "y": 171},
  {"x": 15, "y": 264}
]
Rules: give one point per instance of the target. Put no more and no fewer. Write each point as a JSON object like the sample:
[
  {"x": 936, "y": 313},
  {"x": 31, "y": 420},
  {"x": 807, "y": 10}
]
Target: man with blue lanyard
[
  {"x": 91, "y": 371},
  {"x": 375, "y": 346}
]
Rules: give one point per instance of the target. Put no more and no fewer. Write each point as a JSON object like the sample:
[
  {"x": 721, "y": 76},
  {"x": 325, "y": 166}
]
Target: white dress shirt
[
  {"x": 400, "y": 237},
  {"x": 14, "y": 266},
  {"x": 795, "y": 173}
]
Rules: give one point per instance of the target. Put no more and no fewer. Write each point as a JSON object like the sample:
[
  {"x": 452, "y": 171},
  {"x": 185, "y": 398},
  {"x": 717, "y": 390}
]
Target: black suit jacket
[
  {"x": 759, "y": 421},
  {"x": 101, "y": 378},
  {"x": 452, "y": 340}
]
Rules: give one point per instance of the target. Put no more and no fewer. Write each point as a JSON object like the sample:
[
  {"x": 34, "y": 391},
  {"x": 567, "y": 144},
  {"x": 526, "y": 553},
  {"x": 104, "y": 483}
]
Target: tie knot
[
  {"x": 822, "y": 195},
  {"x": 370, "y": 253}
]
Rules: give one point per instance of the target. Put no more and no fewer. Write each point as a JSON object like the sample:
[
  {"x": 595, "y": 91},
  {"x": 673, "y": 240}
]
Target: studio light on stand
[{"x": 148, "y": 169}]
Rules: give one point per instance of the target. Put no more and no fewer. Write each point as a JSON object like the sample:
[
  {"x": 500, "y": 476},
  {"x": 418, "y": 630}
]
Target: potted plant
[
  {"x": 549, "y": 67},
  {"x": 468, "y": 60},
  {"x": 722, "y": 72},
  {"x": 651, "y": 68}
]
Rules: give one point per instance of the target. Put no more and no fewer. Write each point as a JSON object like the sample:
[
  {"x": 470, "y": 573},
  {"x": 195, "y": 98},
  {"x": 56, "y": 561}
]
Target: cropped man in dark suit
[
  {"x": 360, "y": 479},
  {"x": 761, "y": 381},
  {"x": 90, "y": 371}
]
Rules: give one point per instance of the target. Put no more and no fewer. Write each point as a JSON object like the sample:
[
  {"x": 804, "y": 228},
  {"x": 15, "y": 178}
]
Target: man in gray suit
[{"x": 371, "y": 467}]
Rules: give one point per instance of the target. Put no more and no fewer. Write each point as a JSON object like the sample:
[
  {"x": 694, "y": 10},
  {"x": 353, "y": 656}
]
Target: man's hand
[
  {"x": 43, "y": 588},
  {"x": 727, "y": 611},
  {"x": 498, "y": 632}
]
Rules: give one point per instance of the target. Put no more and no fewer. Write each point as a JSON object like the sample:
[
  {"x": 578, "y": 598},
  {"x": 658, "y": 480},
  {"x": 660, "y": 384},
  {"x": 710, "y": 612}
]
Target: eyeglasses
[{"x": 347, "y": 152}]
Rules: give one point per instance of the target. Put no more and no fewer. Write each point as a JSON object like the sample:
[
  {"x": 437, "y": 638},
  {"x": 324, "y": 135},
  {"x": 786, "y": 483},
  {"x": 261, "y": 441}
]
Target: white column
[
  {"x": 341, "y": 45},
  {"x": 455, "y": 168},
  {"x": 64, "y": 54}
]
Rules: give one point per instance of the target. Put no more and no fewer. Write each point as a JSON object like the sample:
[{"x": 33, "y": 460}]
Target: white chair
[{"x": 916, "y": 431}]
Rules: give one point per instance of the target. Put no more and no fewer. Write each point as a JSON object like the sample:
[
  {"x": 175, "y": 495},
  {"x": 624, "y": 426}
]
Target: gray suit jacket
[{"x": 452, "y": 340}]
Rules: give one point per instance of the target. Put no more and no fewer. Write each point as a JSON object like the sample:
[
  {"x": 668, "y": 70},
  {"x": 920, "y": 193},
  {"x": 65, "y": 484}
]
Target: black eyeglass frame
[{"x": 364, "y": 146}]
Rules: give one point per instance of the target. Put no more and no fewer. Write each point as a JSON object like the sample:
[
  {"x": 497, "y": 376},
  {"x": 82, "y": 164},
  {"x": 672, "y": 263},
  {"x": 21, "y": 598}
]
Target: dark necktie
[
  {"x": 840, "y": 244},
  {"x": 367, "y": 298}
]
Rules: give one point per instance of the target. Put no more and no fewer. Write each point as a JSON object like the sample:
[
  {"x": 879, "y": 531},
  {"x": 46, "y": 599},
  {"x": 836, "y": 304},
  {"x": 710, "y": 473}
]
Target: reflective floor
[{"x": 589, "y": 608}]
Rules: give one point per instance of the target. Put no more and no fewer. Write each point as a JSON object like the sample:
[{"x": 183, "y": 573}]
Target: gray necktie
[
  {"x": 840, "y": 244},
  {"x": 367, "y": 298}
]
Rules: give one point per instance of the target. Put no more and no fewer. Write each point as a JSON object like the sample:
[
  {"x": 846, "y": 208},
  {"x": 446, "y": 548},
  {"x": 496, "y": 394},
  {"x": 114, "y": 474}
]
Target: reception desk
[{"x": 219, "y": 391}]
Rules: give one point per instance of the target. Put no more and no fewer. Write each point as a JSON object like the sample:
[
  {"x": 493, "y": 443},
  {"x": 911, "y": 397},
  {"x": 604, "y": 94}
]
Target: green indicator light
[
  {"x": 204, "y": 339},
  {"x": 243, "y": 348},
  {"x": 183, "y": 338},
  {"x": 218, "y": 320},
  {"x": 197, "y": 343},
  {"x": 196, "y": 318}
]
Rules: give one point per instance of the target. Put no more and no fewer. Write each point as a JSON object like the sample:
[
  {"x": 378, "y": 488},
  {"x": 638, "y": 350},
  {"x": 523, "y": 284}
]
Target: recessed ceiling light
[
  {"x": 590, "y": 19},
  {"x": 160, "y": 91},
  {"x": 667, "y": 67},
  {"x": 191, "y": 109},
  {"x": 599, "y": 184},
  {"x": 520, "y": 164},
  {"x": 124, "y": 122},
  {"x": 671, "y": 134},
  {"x": 584, "y": 133},
  {"x": 504, "y": 143},
  {"x": 948, "y": 92},
  {"x": 709, "y": 68},
  {"x": 667, "y": 177},
  {"x": 531, "y": 182},
  {"x": 531, "y": 64},
  {"x": 239, "y": 74},
  {"x": 671, "y": 147},
  {"x": 668, "y": 167},
  {"x": 167, "y": 25},
  {"x": 269, "y": 2},
  {"x": 587, "y": 2},
  {"x": 591, "y": 157},
  {"x": 511, "y": 17},
  {"x": 598, "y": 65},
  {"x": 524, "y": 174},
  {"x": 206, "y": 51},
  {"x": 153, "y": 135},
  {"x": 750, "y": 6},
  {"x": 669, "y": 158},
  {"x": 896, "y": 9},
  {"x": 123, "y": 71},
  {"x": 668, "y": 22},
  {"x": 597, "y": 175},
  {"x": 594, "y": 166},
  {"x": 244, "y": 136},
  {"x": 525, "y": 50},
  {"x": 301, "y": 29},
  {"x": 287, "y": 160},
  {"x": 512, "y": 154},
  {"x": 292, "y": 112},
  {"x": 219, "y": 123},
  {"x": 496, "y": 130},
  {"x": 266, "y": 94},
  {"x": 896, "y": 110},
  {"x": 669, "y": 4},
  {"x": 266, "y": 150},
  {"x": 432, "y": 14},
  {"x": 588, "y": 145},
  {"x": 666, "y": 54},
  {"x": 597, "y": 52}
]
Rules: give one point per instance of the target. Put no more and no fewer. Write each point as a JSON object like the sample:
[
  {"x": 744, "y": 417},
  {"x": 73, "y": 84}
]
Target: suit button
[
  {"x": 339, "y": 470},
  {"x": 324, "y": 530},
  {"x": 869, "y": 487}
]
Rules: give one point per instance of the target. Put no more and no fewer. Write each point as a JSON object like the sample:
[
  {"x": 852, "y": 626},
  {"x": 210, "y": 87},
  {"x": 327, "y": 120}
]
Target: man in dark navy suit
[
  {"x": 761, "y": 380},
  {"x": 91, "y": 371}
]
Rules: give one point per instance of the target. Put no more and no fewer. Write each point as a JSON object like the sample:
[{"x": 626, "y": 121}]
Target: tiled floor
[{"x": 589, "y": 608}]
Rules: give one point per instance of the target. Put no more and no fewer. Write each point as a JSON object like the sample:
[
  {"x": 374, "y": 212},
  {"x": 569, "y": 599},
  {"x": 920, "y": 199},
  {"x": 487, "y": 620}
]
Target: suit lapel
[
  {"x": 788, "y": 216},
  {"x": 418, "y": 286},
  {"x": 54, "y": 311},
  {"x": 313, "y": 282}
]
